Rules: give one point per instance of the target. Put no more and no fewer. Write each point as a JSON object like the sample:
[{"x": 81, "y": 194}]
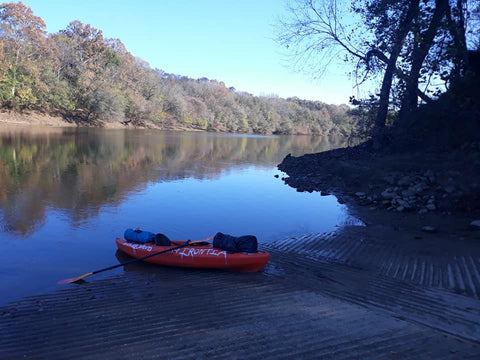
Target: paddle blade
[{"x": 75, "y": 279}]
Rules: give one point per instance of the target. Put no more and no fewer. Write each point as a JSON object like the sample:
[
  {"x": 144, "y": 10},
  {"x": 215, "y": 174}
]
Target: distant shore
[
  {"x": 40, "y": 119},
  {"x": 14, "y": 118}
]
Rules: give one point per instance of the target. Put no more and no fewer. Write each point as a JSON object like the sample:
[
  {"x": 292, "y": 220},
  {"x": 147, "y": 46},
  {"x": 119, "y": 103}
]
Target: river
[{"x": 66, "y": 193}]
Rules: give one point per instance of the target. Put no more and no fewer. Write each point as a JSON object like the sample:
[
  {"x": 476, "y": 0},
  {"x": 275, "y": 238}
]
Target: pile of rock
[
  {"x": 416, "y": 192},
  {"x": 440, "y": 182}
]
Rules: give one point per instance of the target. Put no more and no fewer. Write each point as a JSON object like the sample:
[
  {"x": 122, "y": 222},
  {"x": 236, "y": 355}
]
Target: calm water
[{"x": 65, "y": 194}]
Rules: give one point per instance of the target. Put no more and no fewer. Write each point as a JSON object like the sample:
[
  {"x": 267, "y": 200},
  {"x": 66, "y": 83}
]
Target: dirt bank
[
  {"x": 14, "y": 118},
  {"x": 41, "y": 119}
]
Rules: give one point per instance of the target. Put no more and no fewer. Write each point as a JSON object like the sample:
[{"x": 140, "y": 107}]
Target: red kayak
[{"x": 203, "y": 256}]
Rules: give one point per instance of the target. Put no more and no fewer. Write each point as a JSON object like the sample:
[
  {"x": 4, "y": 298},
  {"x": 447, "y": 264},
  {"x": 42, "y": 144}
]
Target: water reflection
[
  {"x": 77, "y": 171},
  {"x": 65, "y": 194}
]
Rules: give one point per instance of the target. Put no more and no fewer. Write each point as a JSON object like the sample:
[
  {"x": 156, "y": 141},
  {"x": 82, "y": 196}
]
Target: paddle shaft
[
  {"x": 187, "y": 243},
  {"x": 141, "y": 258}
]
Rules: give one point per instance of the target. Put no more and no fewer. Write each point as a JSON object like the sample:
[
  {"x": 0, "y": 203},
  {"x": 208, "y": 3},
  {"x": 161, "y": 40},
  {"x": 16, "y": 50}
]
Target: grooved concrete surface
[{"x": 324, "y": 296}]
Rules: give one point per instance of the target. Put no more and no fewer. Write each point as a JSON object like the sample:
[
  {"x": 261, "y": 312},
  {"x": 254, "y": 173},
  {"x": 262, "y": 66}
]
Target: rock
[
  {"x": 420, "y": 187},
  {"x": 402, "y": 202},
  {"x": 430, "y": 229},
  {"x": 422, "y": 211},
  {"x": 388, "y": 194},
  {"x": 400, "y": 208},
  {"x": 360, "y": 194},
  {"x": 407, "y": 204},
  {"x": 409, "y": 192},
  {"x": 431, "y": 207},
  {"x": 475, "y": 224}
]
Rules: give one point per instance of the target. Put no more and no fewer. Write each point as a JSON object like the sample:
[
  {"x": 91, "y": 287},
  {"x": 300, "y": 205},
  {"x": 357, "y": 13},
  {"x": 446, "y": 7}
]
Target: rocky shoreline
[{"x": 438, "y": 183}]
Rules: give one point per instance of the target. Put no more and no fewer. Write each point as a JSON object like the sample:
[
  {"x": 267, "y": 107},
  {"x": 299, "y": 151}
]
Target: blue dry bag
[{"x": 139, "y": 236}]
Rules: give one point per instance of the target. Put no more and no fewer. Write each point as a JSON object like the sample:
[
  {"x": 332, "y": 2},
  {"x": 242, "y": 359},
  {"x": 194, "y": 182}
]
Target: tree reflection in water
[{"x": 78, "y": 170}]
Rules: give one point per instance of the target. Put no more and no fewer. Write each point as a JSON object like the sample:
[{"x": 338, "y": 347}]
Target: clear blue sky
[{"x": 227, "y": 40}]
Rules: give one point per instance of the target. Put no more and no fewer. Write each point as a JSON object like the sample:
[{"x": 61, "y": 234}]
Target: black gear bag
[{"x": 234, "y": 244}]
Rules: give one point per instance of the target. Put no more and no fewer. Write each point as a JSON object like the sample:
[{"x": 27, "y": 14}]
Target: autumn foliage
[{"x": 89, "y": 79}]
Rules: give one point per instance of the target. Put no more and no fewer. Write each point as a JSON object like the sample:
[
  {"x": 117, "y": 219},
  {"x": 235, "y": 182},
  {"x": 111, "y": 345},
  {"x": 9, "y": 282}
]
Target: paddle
[{"x": 187, "y": 243}]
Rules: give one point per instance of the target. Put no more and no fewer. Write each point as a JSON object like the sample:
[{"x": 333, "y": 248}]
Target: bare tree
[{"x": 404, "y": 41}]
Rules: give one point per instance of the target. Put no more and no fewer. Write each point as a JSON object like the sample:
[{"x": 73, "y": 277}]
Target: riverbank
[
  {"x": 41, "y": 119},
  {"x": 431, "y": 190},
  {"x": 37, "y": 119},
  {"x": 421, "y": 208}
]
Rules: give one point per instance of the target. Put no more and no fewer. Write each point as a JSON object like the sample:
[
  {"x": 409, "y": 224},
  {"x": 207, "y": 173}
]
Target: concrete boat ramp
[{"x": 320, "y": 297}]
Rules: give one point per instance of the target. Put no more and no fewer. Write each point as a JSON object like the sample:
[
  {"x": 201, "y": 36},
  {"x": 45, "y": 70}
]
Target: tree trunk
[
  {"x": 457, "y": 30},
  {"x": 399, "y": 39},
  {"x": 410, "y": 97}
]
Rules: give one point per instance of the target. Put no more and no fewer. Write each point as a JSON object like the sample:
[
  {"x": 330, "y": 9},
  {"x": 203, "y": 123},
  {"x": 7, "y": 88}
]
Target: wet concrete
[{"x": 340, "y": 295}]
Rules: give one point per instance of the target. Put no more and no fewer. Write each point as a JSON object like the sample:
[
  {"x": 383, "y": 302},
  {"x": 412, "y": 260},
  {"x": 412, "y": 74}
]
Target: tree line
[{"x": 89, "y": 79}]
